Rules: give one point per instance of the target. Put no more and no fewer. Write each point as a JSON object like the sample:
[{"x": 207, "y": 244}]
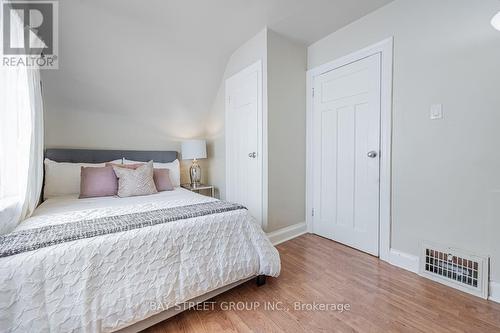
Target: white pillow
[
  {"x": 173, "y": 167},
  {"x": 63, "y": 178}
]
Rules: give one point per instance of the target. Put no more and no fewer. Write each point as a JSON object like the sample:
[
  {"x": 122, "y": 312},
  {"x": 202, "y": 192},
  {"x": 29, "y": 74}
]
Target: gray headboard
[{"x": 101, "y": 156}]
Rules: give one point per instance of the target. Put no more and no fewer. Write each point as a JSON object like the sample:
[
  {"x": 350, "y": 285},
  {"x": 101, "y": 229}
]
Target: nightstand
[{"x": 197, "y": 188}]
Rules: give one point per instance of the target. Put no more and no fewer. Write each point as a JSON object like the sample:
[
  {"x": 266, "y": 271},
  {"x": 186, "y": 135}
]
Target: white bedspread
[{"x": 105, "y": 283}]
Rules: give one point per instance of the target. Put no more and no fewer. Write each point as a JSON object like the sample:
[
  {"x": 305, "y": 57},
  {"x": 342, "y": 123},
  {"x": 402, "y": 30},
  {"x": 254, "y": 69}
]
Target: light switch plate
[{"x": 436, "y": 111}]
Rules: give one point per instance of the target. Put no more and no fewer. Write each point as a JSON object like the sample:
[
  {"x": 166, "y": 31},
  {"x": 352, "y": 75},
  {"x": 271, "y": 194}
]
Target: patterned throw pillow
[
  {"x": 160, "y": 176},
  {"x": 135, "y": 182}
]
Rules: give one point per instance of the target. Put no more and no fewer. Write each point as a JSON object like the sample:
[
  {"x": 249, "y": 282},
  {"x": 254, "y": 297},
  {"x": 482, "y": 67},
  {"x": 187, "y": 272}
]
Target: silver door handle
[
  {"x": 372, "y": 154},
  {"x": 252, "y": 155}
]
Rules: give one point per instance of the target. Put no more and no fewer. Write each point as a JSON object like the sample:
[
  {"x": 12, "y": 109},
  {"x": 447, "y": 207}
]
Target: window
[{"x": 21, "y": 135}]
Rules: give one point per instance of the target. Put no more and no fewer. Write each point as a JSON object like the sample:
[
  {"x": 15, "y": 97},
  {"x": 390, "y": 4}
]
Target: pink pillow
[
  {"x": 162, "y": 180},
  {"x": 160, "y": 176},
  {"x": 98, "y": 182}
]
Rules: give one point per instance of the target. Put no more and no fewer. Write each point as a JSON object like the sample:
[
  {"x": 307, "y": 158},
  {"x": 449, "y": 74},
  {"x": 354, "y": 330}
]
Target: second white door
[
  {"x": 244, "y": 139},
  {"x": 346, "y": 141}
]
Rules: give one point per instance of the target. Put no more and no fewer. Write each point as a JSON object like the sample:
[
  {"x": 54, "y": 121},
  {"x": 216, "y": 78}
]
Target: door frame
[
  {"x": 385, "y": 48},
  {"x": 262, "y": 152}
]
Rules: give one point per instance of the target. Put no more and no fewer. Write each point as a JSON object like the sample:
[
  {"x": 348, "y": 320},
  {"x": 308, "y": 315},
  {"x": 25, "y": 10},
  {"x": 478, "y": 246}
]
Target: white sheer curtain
[{"x": 21, "y": 141}]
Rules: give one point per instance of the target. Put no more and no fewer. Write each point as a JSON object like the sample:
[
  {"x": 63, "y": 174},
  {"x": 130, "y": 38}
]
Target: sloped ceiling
[{"x": 163, "y": 60}]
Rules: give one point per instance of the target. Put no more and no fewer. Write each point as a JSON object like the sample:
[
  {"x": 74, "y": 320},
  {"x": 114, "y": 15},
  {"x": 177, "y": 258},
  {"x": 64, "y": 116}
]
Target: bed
[{"x": 131, "y": 278}]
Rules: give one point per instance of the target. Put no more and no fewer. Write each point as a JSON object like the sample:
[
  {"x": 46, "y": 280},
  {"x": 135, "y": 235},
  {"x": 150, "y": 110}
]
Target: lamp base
[{"x": 195, "y": 173}]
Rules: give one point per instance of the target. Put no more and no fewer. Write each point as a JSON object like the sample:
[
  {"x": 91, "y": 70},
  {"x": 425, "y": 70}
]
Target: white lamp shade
[
  {"x": 194, "y": 149},
  {"x": 495, "y": 21}
]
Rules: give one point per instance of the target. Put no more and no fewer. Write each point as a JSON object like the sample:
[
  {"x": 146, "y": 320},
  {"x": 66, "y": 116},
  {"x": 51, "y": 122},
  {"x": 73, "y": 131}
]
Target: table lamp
[{"x": 194, "y": 150}]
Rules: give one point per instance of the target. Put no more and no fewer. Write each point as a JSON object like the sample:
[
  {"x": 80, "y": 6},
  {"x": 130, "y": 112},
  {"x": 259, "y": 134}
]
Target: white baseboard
[
  {"x": 494, "y": 292},
  {"x": 282, "y": 235},
  {"x": 404, "y": 260}
]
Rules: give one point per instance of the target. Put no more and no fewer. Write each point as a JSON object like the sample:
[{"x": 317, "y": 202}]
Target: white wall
[
  {"x": 446, "y": 173},
  {"x": 122, "y": 71},
  {"x": 286, "y": 72},
  {"x": 123, "y": 81}
]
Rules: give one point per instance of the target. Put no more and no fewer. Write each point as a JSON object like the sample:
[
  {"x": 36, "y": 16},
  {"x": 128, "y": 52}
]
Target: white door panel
[
  {"x": 347, "y": 127},
  {"x": 243, "y": 138}
]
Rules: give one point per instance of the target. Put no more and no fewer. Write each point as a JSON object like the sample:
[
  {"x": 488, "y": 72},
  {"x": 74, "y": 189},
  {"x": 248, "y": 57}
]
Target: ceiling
[{"x": 164, "y": 58}]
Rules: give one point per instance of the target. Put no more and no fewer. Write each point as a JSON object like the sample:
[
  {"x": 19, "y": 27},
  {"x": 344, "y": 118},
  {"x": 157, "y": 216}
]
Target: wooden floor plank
[{"x": 383, "y": 298}]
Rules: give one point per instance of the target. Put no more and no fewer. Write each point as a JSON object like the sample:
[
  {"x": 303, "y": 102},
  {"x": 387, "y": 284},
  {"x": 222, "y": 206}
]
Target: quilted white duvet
[{"x": 108, "y": 282}]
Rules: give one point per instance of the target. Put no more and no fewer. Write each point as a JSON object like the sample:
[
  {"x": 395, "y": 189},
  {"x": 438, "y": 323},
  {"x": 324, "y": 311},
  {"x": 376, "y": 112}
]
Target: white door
[
  {"x": 346, "y": 145},
  {"x": 244, "y": 139}
]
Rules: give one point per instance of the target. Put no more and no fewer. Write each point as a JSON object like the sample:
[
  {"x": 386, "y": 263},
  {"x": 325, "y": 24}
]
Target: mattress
[{"x": 108, "y": 282}]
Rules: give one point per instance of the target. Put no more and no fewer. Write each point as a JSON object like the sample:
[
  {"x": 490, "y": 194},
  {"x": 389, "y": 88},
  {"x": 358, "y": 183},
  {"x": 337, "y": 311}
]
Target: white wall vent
[{"x": 455, "y": 268}]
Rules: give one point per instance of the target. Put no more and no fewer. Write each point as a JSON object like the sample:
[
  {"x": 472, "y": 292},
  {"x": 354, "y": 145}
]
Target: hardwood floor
[{"x": 382, "y": 298}]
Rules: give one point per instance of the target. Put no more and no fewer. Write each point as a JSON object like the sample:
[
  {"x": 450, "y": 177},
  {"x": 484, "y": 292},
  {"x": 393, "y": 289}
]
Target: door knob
[
  {"x": 372, "y": 154},
  {"x": 252, "y": 155}
]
